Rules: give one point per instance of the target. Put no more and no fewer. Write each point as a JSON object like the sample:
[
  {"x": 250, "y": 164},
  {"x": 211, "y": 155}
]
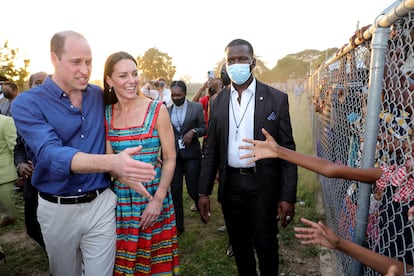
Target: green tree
[
  {"x": 290, "y": 67},
  {"x": 261, "y": 72},
  {"x": 154, "y": 64},
  {"x": 8, "y": 69}
]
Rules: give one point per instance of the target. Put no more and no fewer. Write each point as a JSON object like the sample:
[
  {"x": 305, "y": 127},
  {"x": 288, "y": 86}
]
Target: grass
[{"x": 202, "y": 247}]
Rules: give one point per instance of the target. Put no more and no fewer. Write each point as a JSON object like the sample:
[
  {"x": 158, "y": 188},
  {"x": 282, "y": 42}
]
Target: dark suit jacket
[
  {"x": 20, "y": 156},
  {"x": 277, "y": 177},
  {"x": 194, "y": 119}
]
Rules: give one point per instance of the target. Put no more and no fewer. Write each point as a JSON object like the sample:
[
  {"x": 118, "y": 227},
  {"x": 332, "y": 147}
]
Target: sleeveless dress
[{"x": 153, "y": 251}]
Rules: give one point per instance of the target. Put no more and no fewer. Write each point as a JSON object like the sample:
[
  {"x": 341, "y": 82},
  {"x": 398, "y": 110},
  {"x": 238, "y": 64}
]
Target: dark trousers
[
  {"x": 191, "y": 170},
  {"x": 251, "y": 227},
  {"x": 30, "y": 216}
]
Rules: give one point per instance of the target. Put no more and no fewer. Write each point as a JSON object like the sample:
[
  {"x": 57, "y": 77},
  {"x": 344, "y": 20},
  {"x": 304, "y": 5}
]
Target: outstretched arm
[
  {"x": 319, "y": 234},
  {"x": 200, "y": 92},
  {"x": 270, "y": 149}
]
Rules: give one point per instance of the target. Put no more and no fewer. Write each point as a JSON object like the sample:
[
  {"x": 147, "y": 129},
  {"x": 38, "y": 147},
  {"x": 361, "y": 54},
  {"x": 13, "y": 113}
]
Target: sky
[{"x": 193, "y": 33}]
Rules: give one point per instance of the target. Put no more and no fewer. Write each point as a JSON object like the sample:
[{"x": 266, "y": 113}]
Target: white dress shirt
[{"x": 241, "y": 124}]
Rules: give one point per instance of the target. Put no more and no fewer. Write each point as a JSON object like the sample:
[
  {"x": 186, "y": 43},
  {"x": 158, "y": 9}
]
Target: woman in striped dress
[{"x": 146, "y": 230}]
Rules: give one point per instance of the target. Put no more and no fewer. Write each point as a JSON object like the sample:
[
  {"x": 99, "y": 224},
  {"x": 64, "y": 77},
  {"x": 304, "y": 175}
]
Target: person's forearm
[
  {"x": 313, "y": 163},
  {"x": 326, "y": 167},
  {"x": 91, "y": 163},
  {"x": 167, "y": 173},
  {"x": 197, "y": 96},
  {"x": 378, "y": 262}
]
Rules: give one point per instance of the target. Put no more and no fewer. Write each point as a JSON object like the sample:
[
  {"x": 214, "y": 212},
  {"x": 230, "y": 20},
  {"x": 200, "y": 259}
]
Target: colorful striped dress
[{"x": 153, "y": 251}]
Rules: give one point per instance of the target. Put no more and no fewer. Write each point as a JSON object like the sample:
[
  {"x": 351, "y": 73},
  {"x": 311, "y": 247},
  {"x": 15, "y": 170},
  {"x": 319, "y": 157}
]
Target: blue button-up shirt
[{"x": 54, "y": 131}]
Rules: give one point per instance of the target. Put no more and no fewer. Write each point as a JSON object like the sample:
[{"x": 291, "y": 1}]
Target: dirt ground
[{"x": 293, "y": 264}]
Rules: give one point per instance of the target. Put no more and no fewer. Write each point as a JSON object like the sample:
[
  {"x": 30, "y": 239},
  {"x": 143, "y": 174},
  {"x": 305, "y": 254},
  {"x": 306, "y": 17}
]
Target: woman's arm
[{"x": 166, "y": 134}]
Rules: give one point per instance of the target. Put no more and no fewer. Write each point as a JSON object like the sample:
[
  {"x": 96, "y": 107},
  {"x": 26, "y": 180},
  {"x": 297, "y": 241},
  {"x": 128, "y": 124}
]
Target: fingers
[
  {"x": 303, "y": 230},
  {"x": 147, "y": 221},
  {"x": 265, "y": 133},
  {"x": 139, "y": 188},
  {"x": 250, "y": 155},
  {"x": 205, "y": 216},
  {"x": 308, "y": 222},
  {"x": 250, "y": 141},
  {"x": 134, "y": 150}
]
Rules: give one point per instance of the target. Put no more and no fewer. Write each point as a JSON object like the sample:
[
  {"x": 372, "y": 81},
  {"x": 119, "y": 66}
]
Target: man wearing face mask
[
  {"x": 188, "y": 125},
  {"x": 254, "y": 197}
]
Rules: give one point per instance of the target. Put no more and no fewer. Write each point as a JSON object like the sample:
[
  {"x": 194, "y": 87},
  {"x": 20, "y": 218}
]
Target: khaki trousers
[{"x": 80, "y": 238}]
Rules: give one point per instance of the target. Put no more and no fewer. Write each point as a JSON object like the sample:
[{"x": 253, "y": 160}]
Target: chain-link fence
[{"x": 363, "y": 117}]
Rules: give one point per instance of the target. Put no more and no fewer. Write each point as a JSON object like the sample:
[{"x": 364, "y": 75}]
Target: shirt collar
[
  {"x": 250, "y": 89},
  {"x": 56, "y": 90}
]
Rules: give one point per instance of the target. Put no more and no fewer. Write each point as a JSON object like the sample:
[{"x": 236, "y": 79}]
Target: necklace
[
  {"x": 241, "y": 119},
  {"x": 178, "y": 117}
]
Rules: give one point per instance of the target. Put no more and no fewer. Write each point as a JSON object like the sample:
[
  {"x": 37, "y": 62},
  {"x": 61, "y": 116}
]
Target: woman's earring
[{"x": 110, "y": 89}]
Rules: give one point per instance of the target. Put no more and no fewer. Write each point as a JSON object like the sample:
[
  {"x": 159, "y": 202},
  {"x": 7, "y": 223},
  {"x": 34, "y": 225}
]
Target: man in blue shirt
[{"x": 62, "y": 123}]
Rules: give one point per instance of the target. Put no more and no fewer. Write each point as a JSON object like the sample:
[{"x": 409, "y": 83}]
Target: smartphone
[{"x": 211, "y": 74}]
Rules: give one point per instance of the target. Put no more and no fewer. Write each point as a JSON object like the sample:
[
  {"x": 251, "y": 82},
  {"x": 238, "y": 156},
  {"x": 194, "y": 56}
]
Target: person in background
[
  {"x": 25, "y": 169},
  {"x": 165, "y": 92},
  {"x": 1, "y": 92},
  {"x": 212, "y": 86},
  {"x": 318, "y": 233},
  {"x": 188, "y": 123},
  {"x": 150, "y": 90},
  {"x": 62, "y": 124},
  {"x": 37, "y": 78},
  {"x": 146, "y": 232},
  {"x": 8, "y": 173},
  {"x": 252, "y": 196},
  {"x": 10, "y": 91}
]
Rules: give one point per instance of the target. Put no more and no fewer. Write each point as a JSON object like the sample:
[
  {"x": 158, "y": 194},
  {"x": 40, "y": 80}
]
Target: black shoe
[{"x": 229, "y": 251}]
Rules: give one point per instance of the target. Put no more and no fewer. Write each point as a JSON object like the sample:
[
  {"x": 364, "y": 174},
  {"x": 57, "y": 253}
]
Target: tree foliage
[
  {"x": 8, "y": 69},
  {"x": 154, "y": 64}
]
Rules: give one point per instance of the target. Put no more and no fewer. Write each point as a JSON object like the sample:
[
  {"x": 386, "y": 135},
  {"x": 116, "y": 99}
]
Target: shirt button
[
  {"x": 79, "y": 190},
  {"x": 82, "y": 136}
]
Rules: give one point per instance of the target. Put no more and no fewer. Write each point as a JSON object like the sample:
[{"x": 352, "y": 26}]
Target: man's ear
[
  {"x": 254, "y": 62},
  {"x": 54, "y": 58}
]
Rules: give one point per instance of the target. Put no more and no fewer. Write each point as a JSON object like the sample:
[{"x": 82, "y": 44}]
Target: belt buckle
[
  {"x": 247, "y": 171},
  {"x": 89, "y": 196},
  {"x": 244, "y": 171}
]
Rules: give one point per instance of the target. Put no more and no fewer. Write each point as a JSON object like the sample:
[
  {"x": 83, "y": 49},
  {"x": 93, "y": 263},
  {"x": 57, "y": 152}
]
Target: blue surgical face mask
[{"x": 239, "y": 73}]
